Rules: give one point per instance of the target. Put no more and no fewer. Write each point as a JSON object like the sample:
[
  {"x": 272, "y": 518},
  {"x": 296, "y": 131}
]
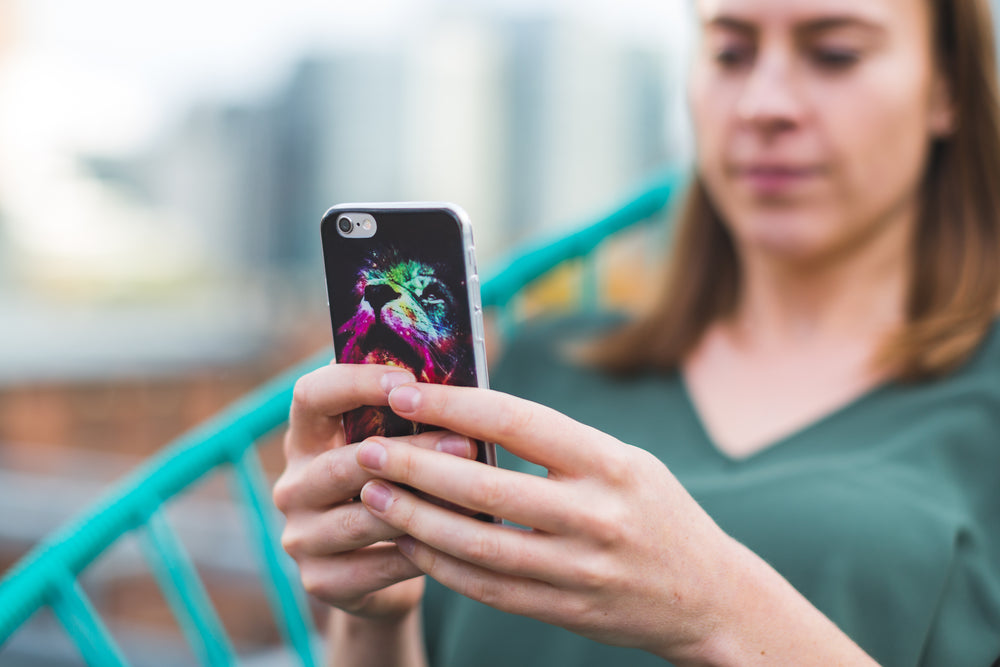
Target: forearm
[
  {"x": 362, "y": 642},
  {"x": 765, "y": 621}
]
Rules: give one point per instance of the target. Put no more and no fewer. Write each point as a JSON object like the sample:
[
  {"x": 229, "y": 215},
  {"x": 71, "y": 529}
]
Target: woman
[{"x": 817, "y": 396}]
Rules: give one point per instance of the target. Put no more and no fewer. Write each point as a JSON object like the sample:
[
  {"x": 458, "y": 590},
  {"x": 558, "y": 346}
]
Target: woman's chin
[
  {"x": 785, "y": 233},
  {"x": 788, "y": 247}
]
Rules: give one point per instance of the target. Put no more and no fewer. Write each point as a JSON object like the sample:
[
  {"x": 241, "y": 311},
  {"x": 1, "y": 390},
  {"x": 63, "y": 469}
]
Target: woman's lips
[{"x": 770, "y": 180}]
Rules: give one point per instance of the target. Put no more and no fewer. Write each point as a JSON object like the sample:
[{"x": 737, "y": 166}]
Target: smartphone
[{"x": 403, "y": 291}]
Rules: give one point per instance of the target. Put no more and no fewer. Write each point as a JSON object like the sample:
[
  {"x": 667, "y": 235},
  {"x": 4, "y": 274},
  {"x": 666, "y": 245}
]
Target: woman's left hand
[{"x": 618, "y": 551}]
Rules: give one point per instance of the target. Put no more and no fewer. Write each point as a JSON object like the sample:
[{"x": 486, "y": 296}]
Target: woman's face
[{"x": 813, "y": 119}]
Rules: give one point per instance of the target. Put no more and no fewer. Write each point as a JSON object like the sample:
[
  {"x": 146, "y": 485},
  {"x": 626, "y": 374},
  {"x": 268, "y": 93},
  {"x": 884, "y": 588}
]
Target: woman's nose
[{"x": 770, "y": 100}]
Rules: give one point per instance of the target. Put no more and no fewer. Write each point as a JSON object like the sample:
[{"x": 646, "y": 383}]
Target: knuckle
[
  {"x": 405, "y": 515},
  {"x": 407, "y": 464},
  {"x": 283, "y": 493},
  {"x": 291, "y": 541},
  {"x": 304, "y": 391},
  {"x": 312, "y": 583},
  {"x": 396, "y": 570},
  {"x": 353, "y": 527},
  {"x": 593, "y": 574},
  {"x": 339, "y": 471},
  {"x": 483, "y": 549},
  {"x": 329, "y": 586},
  {"x": 513, "y": 421},
  {"x": 492, "y": 494},
  {"x": 616, "y": 467},
  {"x": 607, "y": 526},
  {"x": 343, "y": 586},
  {"x": 481, "y": 591},
  {"x": 288, "y": 444},
  {"x": 578, "y": 607},
  {"x": 427, "y": 561}
]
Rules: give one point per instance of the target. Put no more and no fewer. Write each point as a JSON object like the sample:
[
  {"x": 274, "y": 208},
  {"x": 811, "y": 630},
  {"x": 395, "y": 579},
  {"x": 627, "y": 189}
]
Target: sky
[
  {"x": 167, "y": 51},
  {"x": 125, "y": 68}
]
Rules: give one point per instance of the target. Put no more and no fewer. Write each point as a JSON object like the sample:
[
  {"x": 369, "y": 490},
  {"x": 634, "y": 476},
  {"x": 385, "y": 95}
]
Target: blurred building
[
  {"x": 341, "y": 123},
  {"x": 587, "y": 120},
  {"x": 525, "y": 122}
]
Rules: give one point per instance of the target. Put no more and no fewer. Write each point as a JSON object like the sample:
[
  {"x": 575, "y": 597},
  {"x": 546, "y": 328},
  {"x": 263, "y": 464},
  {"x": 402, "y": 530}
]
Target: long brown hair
[{"x": 955, "y": 285}]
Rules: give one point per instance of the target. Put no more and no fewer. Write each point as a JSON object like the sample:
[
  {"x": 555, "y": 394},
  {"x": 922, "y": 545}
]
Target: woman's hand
[
  {"x": 618, "y": 551},
  {"x": 343, "y": 552}
]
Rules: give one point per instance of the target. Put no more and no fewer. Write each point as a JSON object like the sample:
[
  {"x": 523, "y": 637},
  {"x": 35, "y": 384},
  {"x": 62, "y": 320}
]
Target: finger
[
  {"x": 446, "y": 442},
  {"x": 529, "y": 430},
  {"x": 320, "y": 397},
  {"x": 525, "y": 499},
  {"x": 334, "y": 476},
  {"x": 346, "y": 579},
  {"x": 512, "y": 594},
  {"x": 344, "y": 528},
  {"x": 321, "y": 482},
  {"x": 498, "y": 548}
]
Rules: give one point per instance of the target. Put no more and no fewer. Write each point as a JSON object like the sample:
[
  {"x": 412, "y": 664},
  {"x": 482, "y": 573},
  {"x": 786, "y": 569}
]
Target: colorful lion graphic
[{"x": 406, "y": 316}]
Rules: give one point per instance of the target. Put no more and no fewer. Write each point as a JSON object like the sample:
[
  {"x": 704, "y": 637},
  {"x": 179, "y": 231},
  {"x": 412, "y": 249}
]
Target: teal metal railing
[
  {"x": 48, "y": 575},
  {"x": 528, "y": 264}
]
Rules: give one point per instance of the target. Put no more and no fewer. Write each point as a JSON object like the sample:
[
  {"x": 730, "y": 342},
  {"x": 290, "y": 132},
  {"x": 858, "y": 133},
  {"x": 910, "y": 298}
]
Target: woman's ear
[{"x": 942, "y": 117}]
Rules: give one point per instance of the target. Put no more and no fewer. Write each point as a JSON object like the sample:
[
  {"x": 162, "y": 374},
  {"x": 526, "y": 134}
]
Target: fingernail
[
  {"x": 404, "y": 399},
  {"x": 376, "y": 496},
  {"x": 393, "y": 379},
  {"x": 372, "y": 455},
  {"x": 453, "y": 444},
  {"x": 406, "y": 544}
]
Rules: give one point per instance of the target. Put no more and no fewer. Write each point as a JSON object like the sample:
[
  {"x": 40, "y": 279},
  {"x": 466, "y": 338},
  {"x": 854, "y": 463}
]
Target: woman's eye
[
  {"x": 835, "y": 59},
  {"x": 733, "y": 56}
]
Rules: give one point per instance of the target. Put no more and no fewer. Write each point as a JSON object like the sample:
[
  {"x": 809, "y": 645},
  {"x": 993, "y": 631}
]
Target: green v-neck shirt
[{"x": 885, "y": 514}]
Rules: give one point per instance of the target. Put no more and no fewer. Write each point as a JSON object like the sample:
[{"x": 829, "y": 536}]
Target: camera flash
[{"x": 366, "y": 225}]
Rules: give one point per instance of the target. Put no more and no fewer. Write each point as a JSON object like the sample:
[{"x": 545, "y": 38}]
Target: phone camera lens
[{"x": 345, "y": 225}]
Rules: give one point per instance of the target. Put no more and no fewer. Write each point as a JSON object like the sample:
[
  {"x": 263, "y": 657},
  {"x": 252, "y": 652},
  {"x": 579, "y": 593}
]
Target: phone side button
[
  {"x": 474, "y": 288},
  {"x": 477, "y": 325}
]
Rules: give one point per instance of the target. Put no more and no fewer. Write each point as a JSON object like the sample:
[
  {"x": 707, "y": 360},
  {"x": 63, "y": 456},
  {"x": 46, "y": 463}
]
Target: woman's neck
[
  {"x": 800, "y": 345},
  {"x": 858, "y": 295}
]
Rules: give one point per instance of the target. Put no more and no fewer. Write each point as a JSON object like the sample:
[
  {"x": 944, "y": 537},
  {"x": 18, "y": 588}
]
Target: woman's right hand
[{"x": 345, "y": 555}]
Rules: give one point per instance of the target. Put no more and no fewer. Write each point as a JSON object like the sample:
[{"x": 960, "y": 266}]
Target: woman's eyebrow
[
  {"x": 829, "y": 23},
  {"x": 808, "y": 27},
  {"x": 732, "y": 23}
]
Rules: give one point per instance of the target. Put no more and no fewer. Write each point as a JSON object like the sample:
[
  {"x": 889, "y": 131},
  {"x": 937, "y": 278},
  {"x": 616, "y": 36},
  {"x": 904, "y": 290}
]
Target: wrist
[
  {"x": 760, "y": 618},
  {"x": 348, "y": 624},
  {"x": 375, "y": 641},
  {"x": 717, "y": 640}
]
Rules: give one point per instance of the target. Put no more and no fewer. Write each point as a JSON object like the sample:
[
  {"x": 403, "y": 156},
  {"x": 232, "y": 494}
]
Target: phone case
[{"x": 406, "y": 296}]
